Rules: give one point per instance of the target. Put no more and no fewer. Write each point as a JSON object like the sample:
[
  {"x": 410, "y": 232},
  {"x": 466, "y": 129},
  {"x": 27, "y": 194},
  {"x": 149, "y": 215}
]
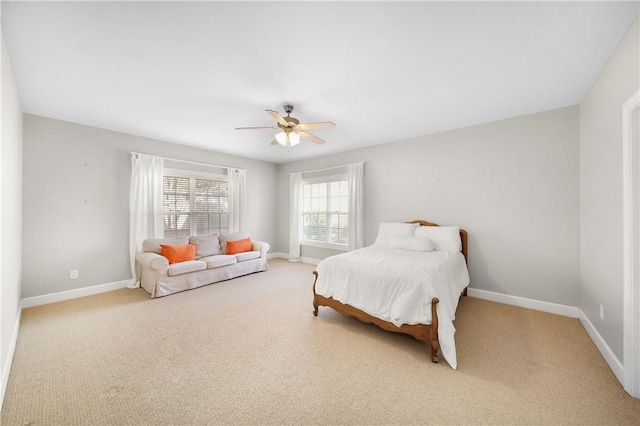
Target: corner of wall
[{"x": 10, "y": 215}]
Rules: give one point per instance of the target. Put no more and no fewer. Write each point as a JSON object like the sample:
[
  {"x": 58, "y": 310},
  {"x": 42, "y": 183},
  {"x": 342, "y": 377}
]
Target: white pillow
[
  {"x": 206, "y": 245},
  {"x": 445, "y": 238},
  {"x": 412, "y": 243},
  {"x": 388, "y": 230}
]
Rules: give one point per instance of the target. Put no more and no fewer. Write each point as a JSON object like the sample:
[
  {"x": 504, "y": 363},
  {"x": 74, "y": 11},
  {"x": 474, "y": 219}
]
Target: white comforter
[{"x": 397, "y": 286}]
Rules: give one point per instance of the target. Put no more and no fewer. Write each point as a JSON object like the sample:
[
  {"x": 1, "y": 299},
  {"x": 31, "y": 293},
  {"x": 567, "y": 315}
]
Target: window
[
  {"x": 195, "y": 205},
  {"x": 325, "y": 212}
]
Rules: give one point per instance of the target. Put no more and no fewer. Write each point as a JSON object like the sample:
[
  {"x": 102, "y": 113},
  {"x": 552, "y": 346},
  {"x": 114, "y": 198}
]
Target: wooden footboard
[{"x": 424, "y": 333}]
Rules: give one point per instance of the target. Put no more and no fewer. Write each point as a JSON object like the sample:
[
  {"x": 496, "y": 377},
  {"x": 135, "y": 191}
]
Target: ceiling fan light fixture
[
  {"x": 282, "y": 138},
  {"x": 288, "y": 138},
  {"x": 294, "y": 139}
]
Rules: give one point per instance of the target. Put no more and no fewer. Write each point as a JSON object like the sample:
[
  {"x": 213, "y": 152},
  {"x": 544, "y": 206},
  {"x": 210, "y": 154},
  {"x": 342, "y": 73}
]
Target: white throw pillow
[
  {"x": 445, "y": 238},
  {"x": 412, "y": 243},
  {"x": 206, "y": 245},
  {"x": 388, "y": 230}
]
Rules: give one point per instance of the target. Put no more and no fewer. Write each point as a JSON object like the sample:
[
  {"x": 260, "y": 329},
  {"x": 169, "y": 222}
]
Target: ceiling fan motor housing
[{"x": 292, "y": 121}]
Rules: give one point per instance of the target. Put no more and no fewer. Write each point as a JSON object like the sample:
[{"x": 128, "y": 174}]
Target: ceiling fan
[{"x": 292, "y": 130}]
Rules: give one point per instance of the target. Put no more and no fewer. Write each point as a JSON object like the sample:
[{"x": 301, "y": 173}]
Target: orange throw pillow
[
  {"x": 180, "y": 253},
  {"x": 239, "y": 246}
]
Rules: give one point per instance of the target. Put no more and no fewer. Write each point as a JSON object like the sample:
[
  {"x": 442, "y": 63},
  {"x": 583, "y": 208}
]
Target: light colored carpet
[{"x": 250, "y": 351}]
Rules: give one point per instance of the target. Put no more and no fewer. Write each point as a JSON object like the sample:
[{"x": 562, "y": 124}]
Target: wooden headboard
[{"x": 463, "y": 234}]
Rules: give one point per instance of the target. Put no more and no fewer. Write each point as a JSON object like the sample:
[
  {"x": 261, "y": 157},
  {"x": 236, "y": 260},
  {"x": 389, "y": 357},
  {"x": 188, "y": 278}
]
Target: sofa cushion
[
  {"x": 248, "y": 255},
  {"x": 240, "y": 246},
  {"x": 186, "y": 267},
  {"x": 154, "y": 244},
  {"x": 218, "y": 261},
  {"x": 180, "y": 253},
  {"x": 231, "y": 236},
  {"x": 206, "y": 245}
]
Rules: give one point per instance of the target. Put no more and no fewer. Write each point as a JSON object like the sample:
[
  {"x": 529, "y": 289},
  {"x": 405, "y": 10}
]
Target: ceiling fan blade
[
  {"x": 310, "y": 137},
  {"x": 307, "y": 126},
  {"x": 274, "y": 142},
  {"x": 277, "y": 117},
  {"x": 256, "y": 128}
]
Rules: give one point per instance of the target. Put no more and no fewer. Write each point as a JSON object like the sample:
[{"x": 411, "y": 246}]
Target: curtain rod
[
  {"x": 328, "y": 168},
  {"x": 188, "y": 162}
]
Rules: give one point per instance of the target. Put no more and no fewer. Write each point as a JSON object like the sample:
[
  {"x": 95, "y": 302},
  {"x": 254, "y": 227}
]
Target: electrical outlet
[
  {"x": 601, "y": 312},
  {"x": 73, "y": 274}
]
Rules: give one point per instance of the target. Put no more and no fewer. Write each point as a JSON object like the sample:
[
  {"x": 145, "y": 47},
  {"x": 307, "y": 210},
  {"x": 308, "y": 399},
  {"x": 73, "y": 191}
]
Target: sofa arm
[
  {"x": 152, "y": 261},
  {"x": 262, "y": 247}
]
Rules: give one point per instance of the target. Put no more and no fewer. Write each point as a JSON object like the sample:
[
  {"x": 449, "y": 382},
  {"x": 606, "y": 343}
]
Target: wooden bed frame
[{"x": 423, "y": 332}]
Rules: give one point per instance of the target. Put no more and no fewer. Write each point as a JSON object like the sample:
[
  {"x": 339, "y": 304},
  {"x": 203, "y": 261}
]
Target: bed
[{"x": 401, "y": 283}]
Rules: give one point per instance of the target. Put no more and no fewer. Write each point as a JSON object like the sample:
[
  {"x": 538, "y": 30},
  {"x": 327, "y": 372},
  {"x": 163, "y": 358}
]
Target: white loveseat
[{"x": 212, "y": 263}]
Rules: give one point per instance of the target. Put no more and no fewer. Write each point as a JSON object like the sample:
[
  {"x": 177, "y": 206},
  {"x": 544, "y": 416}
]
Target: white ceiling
[{"x": 382, "y": 71}]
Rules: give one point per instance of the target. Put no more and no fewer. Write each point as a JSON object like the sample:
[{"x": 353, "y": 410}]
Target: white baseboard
[
  {"x": 309, "y": 260},
  {"x": 286, "y": 256},
  {"x": 605, "y": 350},
  {"x": 29, "y": 302},
  {"x": 6, "y": 369},
  {"x": 553, "y": 308}
]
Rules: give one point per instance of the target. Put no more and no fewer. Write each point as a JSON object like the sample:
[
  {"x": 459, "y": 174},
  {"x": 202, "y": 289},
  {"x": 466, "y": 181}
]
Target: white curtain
[
  {"x": 237, "y": 198},
  {"x": 355, "y": 176},
  {"x": 295, "y": 216},
  {"x": 145, "y": 206}
]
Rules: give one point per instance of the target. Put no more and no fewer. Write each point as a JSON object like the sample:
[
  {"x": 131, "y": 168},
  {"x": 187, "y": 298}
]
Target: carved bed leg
[
  {"x": 315, "y": 299},
  {"x": 433, "y": 330},
  {"x": 435, "y": 345}
]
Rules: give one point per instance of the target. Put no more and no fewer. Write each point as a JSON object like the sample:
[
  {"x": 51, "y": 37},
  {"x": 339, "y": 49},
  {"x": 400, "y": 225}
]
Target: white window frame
[
  {"x": 321, "y": 244},
  {"x": 192, "y": 176}
]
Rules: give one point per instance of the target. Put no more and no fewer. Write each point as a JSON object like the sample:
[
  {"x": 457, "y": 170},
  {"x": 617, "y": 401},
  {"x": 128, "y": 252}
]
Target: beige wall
[
  {"x": 513, "y": 184},
  {"x": 11, "y": 216},
  {"x": 601, "y": 190},
  {"x": 76, "y": 201}
]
